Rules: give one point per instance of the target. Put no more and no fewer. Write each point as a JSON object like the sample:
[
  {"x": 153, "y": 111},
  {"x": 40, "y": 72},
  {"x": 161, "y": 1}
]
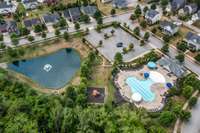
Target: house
[
  {"x": 9, "y": 27},
  {"x": 190, "y": 9},
  {"x": 152, "y": 16},
  {"x": 30, "y": 4},
  {"x": 74, "y": 14},
  {"x": 50, "y": 2},
  {"x": 120, "y": 4},
  {"x": 50, "y": 19},
  {"x": 169, "y": 28},
  {"x": 29, "y": 23},
  {"x": 89, "y": 10},
  {"x": 177, "y": 4},
  {"x": 193, "y": 40},
  {"x": 66, "y": 14},
  {"x": 7, "y": 8},
  {"x": 172, "y": 66}
]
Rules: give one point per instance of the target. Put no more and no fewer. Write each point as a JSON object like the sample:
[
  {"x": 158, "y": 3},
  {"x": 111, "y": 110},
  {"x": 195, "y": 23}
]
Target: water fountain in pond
[{"x": 47, "y": 67}]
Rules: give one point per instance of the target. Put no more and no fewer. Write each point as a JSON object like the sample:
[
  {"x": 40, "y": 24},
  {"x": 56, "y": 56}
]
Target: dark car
[{"x": 120, "y": 44}]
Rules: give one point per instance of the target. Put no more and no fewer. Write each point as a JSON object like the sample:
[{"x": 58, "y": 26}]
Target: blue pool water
[
  {"x": 141, "y": 86},
  {"x": 50, "y": 71}
]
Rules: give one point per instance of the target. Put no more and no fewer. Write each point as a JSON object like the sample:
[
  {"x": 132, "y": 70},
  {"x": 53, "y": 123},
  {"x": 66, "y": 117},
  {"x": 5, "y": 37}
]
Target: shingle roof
[
  {"x": 165, "y": 23},
  {"x": 172, "y": 66},
  {"x": 193, "y": 7},
  {"x": 66, "y": 13},
  {"x": 29, "y": 1},
  {"x": 5, "y": 5},
  {"x": 120, "y": 3},
  {"x": 32, "y": 22},
  {"x": 51, "y": 18},
  {"x": 75, "y": 13},
  {"x": 193, "y": 37},
  {"x": 90, "y": 10},
  {"x": 152, "y": 13}
]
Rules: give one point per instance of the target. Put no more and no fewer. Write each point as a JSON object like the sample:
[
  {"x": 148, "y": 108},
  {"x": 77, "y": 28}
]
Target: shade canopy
[
  {"x": 146, "y": 75},
  {"x": 136, "y": 97},
  {"x": 151, "y": 65},
  {"x": 157, "y": 77},
  {"x": 169, "y": 85}
]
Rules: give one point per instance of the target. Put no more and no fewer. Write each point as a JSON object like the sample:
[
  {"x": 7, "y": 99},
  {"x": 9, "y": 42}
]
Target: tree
[
  {"x": 164, "y": 3},
  {"x": 142, "y": 43},
  {"x": 197, "y": 57},
  {"x": 165, "y": 48},
  {"x": 66, "y": 36},
  {"x": 145, "y": 9},
  {"x": 166, "y": 38},
  {"x": 112, "y": 32},
  {"x": 31, "y": 38},
  {"x": 153, "y": 6},
  {"x": 118, "y": 58},
  {"x": 97, "y": 15},
  {"x": 138, "y": 11},
  {"x": 193, "y": 101},
  {"x": 106, "y": 36},
  {"x": 137, "y": 31},
  {"x": 182, "y": 46},
  {"x": 85, "y": 18},
  {"x": 185, "y": 115},
  {"x": 38, "y": 28},
  {"x": 130, "y": 46},
  {"x": 62, "y": 22},
  {"x": 132, "y": 17},
  {"x": 187, "y": 91},
  {"x": 1, "y": 37},
  {"x": 44, "y": 35},
  {"x": 100, "y": 21},
  {"x": 143, "y": 24},
  {"x": 77, "y": 26},
  {"x": 57, "y": 32},
  {"x": 166, "y": 118},
  {"x": 113, "y": 11},
  {"x": 23, "y": 31},
  {"x": 100, "y": 43},
  {"x": 146, "y": 36},
  {"x": 180, "y": 57}
]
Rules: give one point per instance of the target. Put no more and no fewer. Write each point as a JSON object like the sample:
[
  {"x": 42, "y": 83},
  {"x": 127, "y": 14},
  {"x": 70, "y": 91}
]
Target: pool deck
[{"x": 158, "y": 88}]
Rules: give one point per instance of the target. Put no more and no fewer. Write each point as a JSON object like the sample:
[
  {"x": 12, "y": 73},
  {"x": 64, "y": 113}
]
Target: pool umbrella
[
  {"x": 151, "y": 65},
  {"x": 146, "y": 75},
  {"x": 169, "y": 85},
  {"x": 136, "y": 97}
]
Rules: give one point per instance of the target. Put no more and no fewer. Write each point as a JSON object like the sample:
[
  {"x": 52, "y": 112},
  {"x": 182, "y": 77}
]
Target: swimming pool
[
  {"x": 51, "y": 71},
  {"x": 141, "y": 86}
]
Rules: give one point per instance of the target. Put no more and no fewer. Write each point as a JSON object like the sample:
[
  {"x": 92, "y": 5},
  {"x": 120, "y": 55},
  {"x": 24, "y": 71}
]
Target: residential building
[
  {"x": 30, "y": 4},
  {"x": 172, "y": 66},
  {"x": 29, "y": 23},
  {"x": 177, "y": 4},
  {"x": 7, "y": 8},
  {"x": 169, "y": 28},
  {"x": 152, "y": 16},
  {"x": 9, "y": 27},
  {"x": 193, "y": 40},
  {"x": 50, "y": 19},
  {"x": 89, "y": 10},
  {"x": 120, "y": 3},
  {"x": 190, "y": 9},
  {"x": 74, "y": 14}
]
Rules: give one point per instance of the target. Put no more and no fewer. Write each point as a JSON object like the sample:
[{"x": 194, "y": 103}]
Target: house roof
[
  {"x": 29, "y": 1},
  {"x": 152, "y": 13},
  {"x": 51, "y": 18},
  {"x": 9, "y": 26},
  {"x": 32, "y": 22},
  {"x": 66, "y": 13},
  {"x": 172, "y": 66},
  {"x": 176, "y": 4},
  {"x": 75, "y": 13},
  {"x": 198, "y": 14},
  {"x": 5, "y": 5},
  {"x": 89, "y": 10},
  {"x": 193, "y": 37},
  {"x": 193, "y": 7},
  {"x": 165, "y": 24},
  {"x": 120, "y": 3}
]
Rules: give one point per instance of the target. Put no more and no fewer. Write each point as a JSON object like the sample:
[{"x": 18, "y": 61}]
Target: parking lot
[{"x": 109, "y": 46}]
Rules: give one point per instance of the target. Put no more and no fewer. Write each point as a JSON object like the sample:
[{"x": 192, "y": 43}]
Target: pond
[
  {"x": 192, "y": 126},
  {"x": 52, "y": 71}
]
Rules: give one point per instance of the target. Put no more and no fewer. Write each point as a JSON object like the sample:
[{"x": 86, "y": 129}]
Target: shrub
[
  {"x": 166, "y": 118},
  {"x": 193, "y": 101},
  {"x": 187, "y": 91}
]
